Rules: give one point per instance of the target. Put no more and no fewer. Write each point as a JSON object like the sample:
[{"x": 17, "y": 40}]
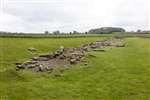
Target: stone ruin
[{"x": 65, "y": 56}]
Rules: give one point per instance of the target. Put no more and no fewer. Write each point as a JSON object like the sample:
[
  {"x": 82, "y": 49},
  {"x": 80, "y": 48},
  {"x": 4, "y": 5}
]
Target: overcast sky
[{"x": 69, "y": 15}]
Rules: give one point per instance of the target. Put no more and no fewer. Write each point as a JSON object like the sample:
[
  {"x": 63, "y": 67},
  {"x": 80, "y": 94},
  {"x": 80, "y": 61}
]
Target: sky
[{"x": 70, "y": 15}]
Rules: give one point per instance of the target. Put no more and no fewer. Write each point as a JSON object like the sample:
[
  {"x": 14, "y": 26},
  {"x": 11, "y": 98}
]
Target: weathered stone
[
  {"x": 30, "y": 66},
  {"x": 40, "y": 58},
  {"x": 36, "y": 69},
  {"x": 99, "y": 44},
  {"x": 43, "y": 68},
  {"x": 47, "y": 56},
  {"x": 18, "y": 63},
  {"x": 73, "y": 61},
  {"x": 57, "y": 53},
  {"x": 77, "y": 53},
  {"x": 106, "y": 43},
  {"x": 30, "y": 62},
  {"x": 32, "y": 49},
  {"x": 20, "y": 66},
  {"x": 61, "y": 48},
  {"x": 35, "y": 58},
  {"x": 49, "y": 66},
  {"x": 85, "y": 48},
  {"x": 77, "y": 58},
  {"x": 40, "y": 68},
  {"x": 62, "y": 57},
  {"x": 93, "y": 46}
]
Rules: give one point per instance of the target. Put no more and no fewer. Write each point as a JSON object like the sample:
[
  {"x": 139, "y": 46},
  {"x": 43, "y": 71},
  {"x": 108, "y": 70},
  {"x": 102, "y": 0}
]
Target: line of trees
[
  {"x": 102, "y": 30},
  {"x": 58, "y": 32},
  {"x": 106, "y": 30}
]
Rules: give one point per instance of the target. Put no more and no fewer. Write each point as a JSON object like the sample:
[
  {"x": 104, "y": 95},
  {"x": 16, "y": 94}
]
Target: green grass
[{"x": 117, "y": 74}]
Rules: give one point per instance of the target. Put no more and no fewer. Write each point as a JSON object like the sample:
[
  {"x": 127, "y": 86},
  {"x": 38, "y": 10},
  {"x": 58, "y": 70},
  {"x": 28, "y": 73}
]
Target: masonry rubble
[{"x": 68, "y": 55}]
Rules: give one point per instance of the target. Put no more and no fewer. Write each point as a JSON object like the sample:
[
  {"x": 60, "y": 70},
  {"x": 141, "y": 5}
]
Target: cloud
[
  {"x": 69, "y": 15},
  {"x": 10, "y": 22}
]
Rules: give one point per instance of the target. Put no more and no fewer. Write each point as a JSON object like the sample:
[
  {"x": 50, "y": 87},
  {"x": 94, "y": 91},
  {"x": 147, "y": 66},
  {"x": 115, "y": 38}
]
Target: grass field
[{"x": 117, "y": 74}]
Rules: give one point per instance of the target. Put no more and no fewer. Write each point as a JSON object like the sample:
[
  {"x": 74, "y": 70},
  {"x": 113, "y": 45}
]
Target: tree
[
  {"x": 46, "y": 32},
  {"x": 139, "y": 31},
  {"x": 56, "y": 32},
  {"x": 75, "y": 32},
  {"x": 86, "y": 32},
  {"x": 70, "y": 33}
]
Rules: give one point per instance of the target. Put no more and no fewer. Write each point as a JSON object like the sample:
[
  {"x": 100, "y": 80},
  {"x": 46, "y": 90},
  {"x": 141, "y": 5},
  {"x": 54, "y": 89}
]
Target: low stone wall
[{"x": 65, "y": 56}]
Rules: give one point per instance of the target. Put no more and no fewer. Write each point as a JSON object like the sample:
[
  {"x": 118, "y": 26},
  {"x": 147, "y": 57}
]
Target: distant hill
[{"x": 104, "y": 30}]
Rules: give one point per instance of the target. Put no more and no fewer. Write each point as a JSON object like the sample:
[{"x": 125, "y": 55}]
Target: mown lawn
[{"x": 117, "y": 74}]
